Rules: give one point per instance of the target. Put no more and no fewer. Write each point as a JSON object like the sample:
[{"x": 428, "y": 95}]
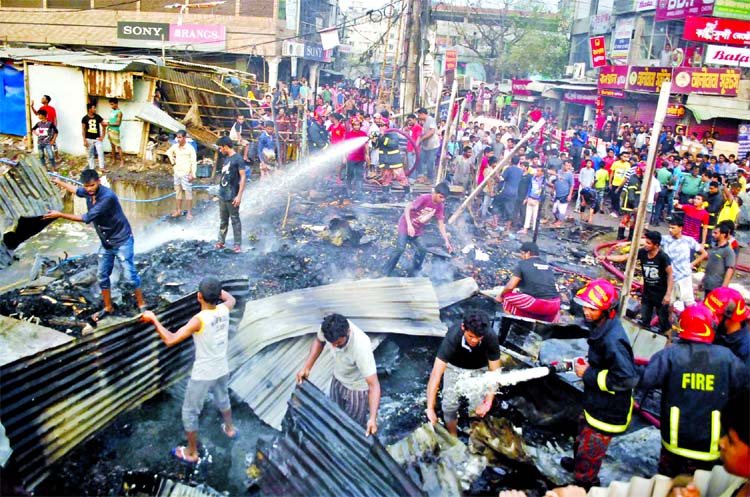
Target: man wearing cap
[
  {"x": 184, "y": 162},
  {"x": 210, "y": 331},
  {"x": 535, "y": 294}
]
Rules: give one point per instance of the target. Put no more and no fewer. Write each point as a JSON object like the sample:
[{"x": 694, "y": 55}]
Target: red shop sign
[
  {"x": 676, "y": 110},
  {"x": 598, "y": 53},
  {"x": 712, "y": 29},
  {"x": 520, "y": 87}
]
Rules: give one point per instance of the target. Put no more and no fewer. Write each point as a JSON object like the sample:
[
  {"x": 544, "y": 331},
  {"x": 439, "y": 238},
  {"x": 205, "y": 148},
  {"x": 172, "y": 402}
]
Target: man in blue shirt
[{"x": 115, "y": 234}]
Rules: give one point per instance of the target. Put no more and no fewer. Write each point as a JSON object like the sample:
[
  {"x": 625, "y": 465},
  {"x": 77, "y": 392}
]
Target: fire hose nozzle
[{"x": 560, "y": 366}]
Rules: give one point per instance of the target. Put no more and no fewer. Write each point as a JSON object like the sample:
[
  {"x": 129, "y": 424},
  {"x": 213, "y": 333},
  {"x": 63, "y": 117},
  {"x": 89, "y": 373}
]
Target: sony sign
[
  {"x": 728, "y": 56},
  {"x": 147, "y": 31}
]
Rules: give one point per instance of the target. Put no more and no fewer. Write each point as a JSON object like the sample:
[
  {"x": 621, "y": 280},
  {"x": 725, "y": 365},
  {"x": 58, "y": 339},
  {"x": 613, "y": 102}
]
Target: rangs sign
[
  {"x": 647, "y": 79},
  {"x": 707, "y": 81},
  {"x": 728, "y": 56},
  {"x": 711, "y": 29},
  {"x": 736, "y": 9},
  {"x": 612, "y": 77},
  {"x": 600, "y": 24},
  {"x": 520, "y": 87},
  {"x": 667, "y": 10},
  {"x": 598, "y": 52},
  {"x": 582, "y": 97},
  {"x": 197, "y": 37}
]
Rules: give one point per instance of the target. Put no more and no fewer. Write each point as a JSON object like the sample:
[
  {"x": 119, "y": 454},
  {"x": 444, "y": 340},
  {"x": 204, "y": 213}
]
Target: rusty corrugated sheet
[
  {"x": 109, "y": 84},
  {"x": 323, "y": 452},
  {"x": 54, "y": 400}
]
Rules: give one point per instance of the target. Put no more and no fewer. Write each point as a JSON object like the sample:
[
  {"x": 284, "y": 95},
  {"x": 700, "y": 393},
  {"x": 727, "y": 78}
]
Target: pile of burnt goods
[{"x": 26, "y": 194}]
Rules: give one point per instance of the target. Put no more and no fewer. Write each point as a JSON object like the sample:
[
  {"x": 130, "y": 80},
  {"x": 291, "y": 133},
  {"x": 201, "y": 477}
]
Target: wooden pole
[
  {"x": 441, "y": 85},
  {"x": 497, "y": 169},
  {"x": 447, "y": 133},
  {"x": 640, "y": 218},
  {"x": 29, "y": 139}
]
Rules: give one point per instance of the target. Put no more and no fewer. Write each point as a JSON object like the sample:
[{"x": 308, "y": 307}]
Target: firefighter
[
  {"x": 732, "y": 314},
  {"x": 630, "y": 197},
  {"x": 696, "y": 379},
  {"x": 391, "y": 160},
  {"x": 609, "y": 376}
]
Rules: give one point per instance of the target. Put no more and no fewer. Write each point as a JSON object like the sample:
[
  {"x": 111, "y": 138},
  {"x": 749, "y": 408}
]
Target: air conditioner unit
[
  {"x": 292, "y": 49},
  {"x": 579, "y": 69}
]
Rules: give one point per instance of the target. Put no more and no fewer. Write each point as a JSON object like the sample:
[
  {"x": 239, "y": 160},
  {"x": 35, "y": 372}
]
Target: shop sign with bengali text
[
  {"x": 704, "y": 80},
  {"x": 736, "y": 9},
  {"x": 520, "y": 87},
  {"x": 675, "y": 110},
  {"x": 647, "y": 79},
  {"x": 668, "y": 10},
  {"x": 451, "y": 60},
  {"x": 712, "y": 29},
  {"x": 613, "y": 77},
  {"x": 598, "y": 52},
  {"x": 643, "y": 5},
  {"x": 580, "y": 97},
  {"x": 607, "y": 92},
  {"x": 600, "y": 24},
  {"x": 743, "y": 138},
  {"x": 727, "y": 56}
]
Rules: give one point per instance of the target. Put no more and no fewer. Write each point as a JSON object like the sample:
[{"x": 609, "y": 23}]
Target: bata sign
[
  {"x": 198, "y": 37},
  {"x": 728, "y": 56},
  {"x": 712, "y": 29}
]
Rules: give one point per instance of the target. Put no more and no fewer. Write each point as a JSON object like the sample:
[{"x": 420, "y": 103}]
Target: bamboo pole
[
  {"x": 447, "y": 133},
  {"x": 29, "y": 139},
  {"x": 286, "y": 212},
  {"x": 640, "y": 218},
  {"x": 497, "y": 169}
]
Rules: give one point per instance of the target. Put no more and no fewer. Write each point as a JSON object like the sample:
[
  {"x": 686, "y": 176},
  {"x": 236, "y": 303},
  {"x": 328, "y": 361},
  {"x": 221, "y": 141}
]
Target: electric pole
[{"x": 413, "y": 40}]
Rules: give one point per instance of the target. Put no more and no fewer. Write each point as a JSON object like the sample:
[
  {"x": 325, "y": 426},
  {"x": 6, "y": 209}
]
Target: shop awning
[{"x": 706, "y": 107}]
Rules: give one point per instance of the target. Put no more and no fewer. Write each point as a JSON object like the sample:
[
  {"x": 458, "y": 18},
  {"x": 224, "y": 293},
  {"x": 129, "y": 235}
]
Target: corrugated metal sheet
[
  {"x": 710, "y": 484},
  {"x": 383, "y": 305},
  {"x": 26, "y": 191},
  {"x": 154, "y": 115},
  {"x": 80, "y": 59},
  {"x": 267, "y": 394},
  {"x": 110, "y": 84},
  {"x": 323, "y": 452},
  {"x": 54, "y": 400}
]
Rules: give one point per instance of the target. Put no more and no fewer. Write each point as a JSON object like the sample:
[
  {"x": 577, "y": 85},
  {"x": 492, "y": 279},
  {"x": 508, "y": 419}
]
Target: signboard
[
  {"x": 580, "y": 97},
  {"x": 451, "y": 60},
  {"x": 315, "y": 52},
  {"x": 598, "y": 52},
  {"x": 676, "y": 110},
  {"x": 736, "y": 9},
  {"x": 198, "y": 37},
  {"x": 704, "y": 80},
  {"x": 606, "y": 92},
  {"x": 520, "y": 87},
  {"x": 743, "y": 139},
  {"x": 711, "y": 29},
  {"x": 727, "y": 56},
  {"x": 613, "y": 77},
  {"x": 623, "y": 6},
  {"x": 668, "y": 10},
  {"x": 621, "y": 38},
  {"x": 647, "y": 79},
  {"x": 600, "y": 24},
  {"x": 643, "y": 5},
  {"x": 291, "y": 12}
]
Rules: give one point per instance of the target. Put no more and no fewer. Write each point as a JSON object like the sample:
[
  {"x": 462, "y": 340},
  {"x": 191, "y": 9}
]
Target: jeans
[
  {"x": 107, "y": 262},
  {"x": 427, "y": 162},
  {"x": 355, "y": 173},
  {"x": 401, "y": 242},
  {"x": 600, "y": 199},
  {"x": 662, "y": 311},
  {"x": 227, "y": 211},
  {"x": 96, "y": 149},
  {"x": 411, "y": 157},
  {"x": 614, "y": 196},
  {"x": 48, "y": 151}
]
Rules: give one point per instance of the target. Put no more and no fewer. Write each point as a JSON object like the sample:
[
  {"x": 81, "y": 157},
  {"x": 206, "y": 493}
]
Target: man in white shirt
[
  {"x": 355, "y": 386},
  {"x": 183, "y": 158}
]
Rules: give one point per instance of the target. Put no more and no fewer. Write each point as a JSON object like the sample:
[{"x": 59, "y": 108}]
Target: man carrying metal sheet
[
  {"x": 355, "y": 386},
  {"x": 210, "y": 331}
]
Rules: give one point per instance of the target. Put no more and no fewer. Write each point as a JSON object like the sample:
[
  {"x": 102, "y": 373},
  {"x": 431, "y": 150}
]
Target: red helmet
[
  {"x": 598, "y": 294},
  {"x": 697, "y": 324},
  {"x": 727, "y": 303}
]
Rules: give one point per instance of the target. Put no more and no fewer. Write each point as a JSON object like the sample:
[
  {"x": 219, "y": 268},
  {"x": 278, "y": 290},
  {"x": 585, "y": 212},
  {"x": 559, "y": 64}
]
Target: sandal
[
  {"x": 231, "y": 437},
  {"x": 237, "y": 249},
  {"x": 94, "y": 318},
  {"x": 219, "y": 245},
  {"x": 180, "y": 453}
]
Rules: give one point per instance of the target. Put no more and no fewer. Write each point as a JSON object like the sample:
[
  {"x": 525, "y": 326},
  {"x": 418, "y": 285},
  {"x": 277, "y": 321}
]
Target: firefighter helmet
[
  {"x": 727, "y": 303},
  {"x": 599, "y": 294},
  {"x": 697, "y": 324}
]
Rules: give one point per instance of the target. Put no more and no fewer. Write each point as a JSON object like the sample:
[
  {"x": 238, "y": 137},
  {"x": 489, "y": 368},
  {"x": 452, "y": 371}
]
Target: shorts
[
  {"x": 114, "y": 137},
  {"x": 451, "y": 394},
  {"x": 682, "y": 291},
  {"x": 195, "y": 396},
  {"x": 183, "y": 188}
]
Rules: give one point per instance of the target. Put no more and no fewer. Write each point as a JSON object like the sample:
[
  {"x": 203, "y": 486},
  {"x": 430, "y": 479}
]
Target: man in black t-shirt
[
  {"x": 657, "y": 279},
  {"x": 231, "y": 188},
  {"x": 93, "y": 136},
  {"x": 535, "y": 294},
  {"x": 472, "y": 346}
]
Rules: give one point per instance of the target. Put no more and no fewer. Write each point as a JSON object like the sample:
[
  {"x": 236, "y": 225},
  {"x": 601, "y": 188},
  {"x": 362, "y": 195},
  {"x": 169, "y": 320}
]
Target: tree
[{"x": 503, "y": 34}]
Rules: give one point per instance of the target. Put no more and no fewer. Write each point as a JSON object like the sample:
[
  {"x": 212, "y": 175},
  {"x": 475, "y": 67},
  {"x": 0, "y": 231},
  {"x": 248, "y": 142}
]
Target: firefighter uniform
[
  {"x": 630, "y": 197},
  {"x": 696, "y": 380},
  {"x": 391, "y": 160}
]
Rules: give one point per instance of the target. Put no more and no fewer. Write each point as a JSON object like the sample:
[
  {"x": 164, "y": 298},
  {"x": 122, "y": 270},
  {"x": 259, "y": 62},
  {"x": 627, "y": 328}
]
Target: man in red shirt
[
  {"x": 337, "y": 130},
  {"x": 356, "y": 160},
  {"x": 414, "y": 129},
  {"x": 696, "y": 218}
]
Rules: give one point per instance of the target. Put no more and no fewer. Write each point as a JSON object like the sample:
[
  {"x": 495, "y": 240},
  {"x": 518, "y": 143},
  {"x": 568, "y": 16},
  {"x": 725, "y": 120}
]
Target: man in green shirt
[
  {"x": 666, "y": 195},
  {"x": 690, "y": 185},
  {"x": 113, "y": 130}
]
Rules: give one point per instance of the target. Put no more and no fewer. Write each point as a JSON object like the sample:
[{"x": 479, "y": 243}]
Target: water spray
[{"x": 469, "y": 384}]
